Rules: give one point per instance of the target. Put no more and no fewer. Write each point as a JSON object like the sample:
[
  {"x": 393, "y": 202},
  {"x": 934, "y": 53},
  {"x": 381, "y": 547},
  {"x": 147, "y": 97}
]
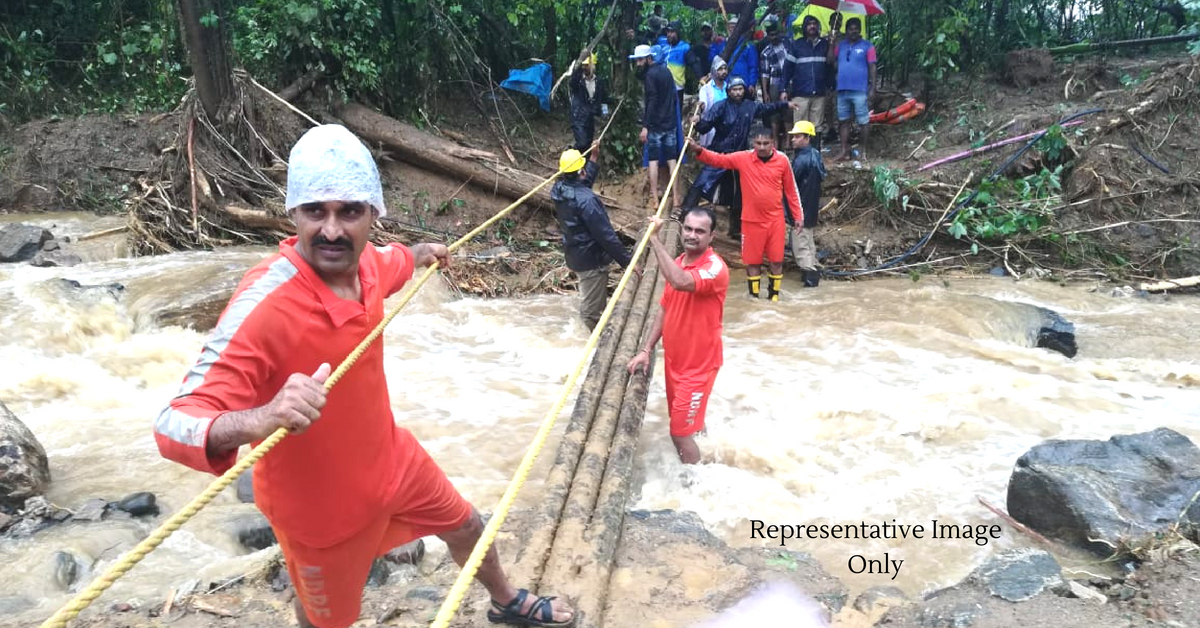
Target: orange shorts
[
  {"x": 688, "y": 400},
  {"x": 330, "y": 580},
  {"x": 762, "y": 240}
]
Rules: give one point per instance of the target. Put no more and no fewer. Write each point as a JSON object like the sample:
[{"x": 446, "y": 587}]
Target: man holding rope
[
  {"x": 348, "y": 484},
  {"x": 689, "y": 323}
]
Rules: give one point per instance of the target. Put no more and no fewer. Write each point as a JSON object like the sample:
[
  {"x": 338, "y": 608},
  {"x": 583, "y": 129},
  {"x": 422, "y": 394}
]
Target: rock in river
[
  {"x": 1123, "y": 491},
  {"x": 138, "y": 504},
  {"x": 19, "y": 241},
  {"x": 24, "y": 470}
]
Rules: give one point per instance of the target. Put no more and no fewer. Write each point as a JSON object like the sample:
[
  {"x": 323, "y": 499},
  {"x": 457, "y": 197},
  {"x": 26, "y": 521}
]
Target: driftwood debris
[
  {"x": 430, "y": 152},
  {"x": 1171, "y": 284}
]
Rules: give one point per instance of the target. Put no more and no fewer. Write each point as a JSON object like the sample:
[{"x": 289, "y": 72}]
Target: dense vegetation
[{"x": 71, "y": 56}]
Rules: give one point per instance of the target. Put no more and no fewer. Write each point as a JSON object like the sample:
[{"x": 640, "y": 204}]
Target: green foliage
[
  {"x": 1053, "y": 145},
  {"x": 888, "y": 184},
  {"x": 938, "y": 56},
  {"x": 1192, "y": 8},
  {"x": 283, "y": 39},
  {"x": 1025, "y": 212}
]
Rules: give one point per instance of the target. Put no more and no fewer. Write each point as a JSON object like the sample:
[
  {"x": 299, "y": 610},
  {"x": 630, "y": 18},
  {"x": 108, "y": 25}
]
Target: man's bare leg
[
  {"x": 688, "y": 450},
  {"x": 675, "y": 199},
  {"x": 654, "y": 181},
  {"x": 491, "y": 574}
]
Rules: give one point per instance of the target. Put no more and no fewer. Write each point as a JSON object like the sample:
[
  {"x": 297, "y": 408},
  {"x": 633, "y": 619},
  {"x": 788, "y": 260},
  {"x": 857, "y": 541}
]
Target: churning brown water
[{"x": 858, "y": 402}]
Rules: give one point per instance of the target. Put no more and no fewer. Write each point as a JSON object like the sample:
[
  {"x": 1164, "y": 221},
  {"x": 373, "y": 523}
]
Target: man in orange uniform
[
  {"x": 766, "y": 176},
  {"x": 689, "y": 323},
  {"x": 347, "y": 484}
]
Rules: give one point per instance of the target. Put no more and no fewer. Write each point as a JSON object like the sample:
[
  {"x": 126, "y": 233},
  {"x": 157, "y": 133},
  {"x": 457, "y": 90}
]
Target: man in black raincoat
[
  {"x": 809, "y": 170},
  {"x": 589, "y": 97},
  {"x": 589, "y": 242}
]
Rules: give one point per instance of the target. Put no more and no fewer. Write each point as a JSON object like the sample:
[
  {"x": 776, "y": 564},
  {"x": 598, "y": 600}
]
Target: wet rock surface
[
  {"x": 19, "y": 241},
  {"x": 141, "y": 504},
  {"x": 24, "y": 470},
  {"x": 1019, "y": 575},
  {"x": 1122, "y": 492},
  {"x": 1056, "y": 334}
]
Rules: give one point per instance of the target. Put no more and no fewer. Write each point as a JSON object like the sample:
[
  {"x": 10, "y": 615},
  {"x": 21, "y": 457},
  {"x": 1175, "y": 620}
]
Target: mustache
[{"x": 321, "y": 240}]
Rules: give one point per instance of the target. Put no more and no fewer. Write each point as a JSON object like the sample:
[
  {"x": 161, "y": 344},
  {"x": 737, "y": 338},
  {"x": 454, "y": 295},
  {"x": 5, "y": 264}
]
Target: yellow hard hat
[
  {"x": 590, "y": 60},
  {"x": 805, "y": 127},
  {"x": 570, "y": 161}
]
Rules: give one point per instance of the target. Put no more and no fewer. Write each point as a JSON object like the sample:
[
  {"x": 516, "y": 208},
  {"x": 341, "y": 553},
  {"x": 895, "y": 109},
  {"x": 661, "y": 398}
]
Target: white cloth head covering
[
  {"x": 328, "y": 163},
  {"x": 718, "y": 63}
]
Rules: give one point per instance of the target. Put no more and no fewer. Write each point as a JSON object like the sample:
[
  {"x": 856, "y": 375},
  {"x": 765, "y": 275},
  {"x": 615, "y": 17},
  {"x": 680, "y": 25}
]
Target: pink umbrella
[{"x": 861, "y": 7}]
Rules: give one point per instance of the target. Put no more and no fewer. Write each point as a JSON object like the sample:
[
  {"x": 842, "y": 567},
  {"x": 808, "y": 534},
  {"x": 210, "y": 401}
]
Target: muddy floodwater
[{"x": 853, "y": 403}]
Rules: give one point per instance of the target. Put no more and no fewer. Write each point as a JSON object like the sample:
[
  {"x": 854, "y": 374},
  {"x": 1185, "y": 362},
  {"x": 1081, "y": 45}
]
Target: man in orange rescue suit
[
  {"x": 347, "y": 484},
  {"x": 766, "y": 176},
  {"x": 689, "y": 323}
]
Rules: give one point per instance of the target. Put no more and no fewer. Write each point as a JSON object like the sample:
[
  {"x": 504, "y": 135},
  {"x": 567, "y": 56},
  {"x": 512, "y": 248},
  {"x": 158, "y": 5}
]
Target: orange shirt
[
  {"x": 322, "y": 486},
  {"x": 692, "y": 320},
  {"x": 764, "y": 184}
]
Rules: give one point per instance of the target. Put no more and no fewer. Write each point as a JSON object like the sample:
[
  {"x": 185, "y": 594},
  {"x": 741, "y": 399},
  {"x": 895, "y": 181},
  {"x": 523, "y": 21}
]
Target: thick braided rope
[
  {"x": 101, "y": 584},
  {"x": 488, "y": 537}
]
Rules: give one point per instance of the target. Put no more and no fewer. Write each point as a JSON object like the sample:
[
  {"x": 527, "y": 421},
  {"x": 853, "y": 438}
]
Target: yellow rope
[
  {"x": 488, "y": 537},
  {"x": 98, "y": 586}
]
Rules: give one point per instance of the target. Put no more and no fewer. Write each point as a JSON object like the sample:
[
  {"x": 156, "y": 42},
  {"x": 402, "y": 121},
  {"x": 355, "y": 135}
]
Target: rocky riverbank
[{"x": 1136, "y": 494}]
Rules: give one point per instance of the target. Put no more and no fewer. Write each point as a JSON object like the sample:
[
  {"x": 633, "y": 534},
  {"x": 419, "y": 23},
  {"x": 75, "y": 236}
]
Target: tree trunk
[
  {"x": 208, "y": 52},
  {"x": 550, "y": 23},
  {"x": 481, "y": 168}
]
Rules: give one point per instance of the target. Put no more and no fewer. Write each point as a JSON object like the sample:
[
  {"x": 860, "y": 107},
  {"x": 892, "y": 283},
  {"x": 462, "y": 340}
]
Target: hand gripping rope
[
  {"x": 98, "y": 586},
  {"x": 458, "y": 591}
]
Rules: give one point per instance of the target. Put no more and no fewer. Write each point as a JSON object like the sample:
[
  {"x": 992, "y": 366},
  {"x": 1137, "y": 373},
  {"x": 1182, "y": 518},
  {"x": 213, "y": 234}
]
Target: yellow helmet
[
  {"x": 570, "y": 161},
  {"x": 805, "y": 127},
  {"x": 590, "y": 60}
]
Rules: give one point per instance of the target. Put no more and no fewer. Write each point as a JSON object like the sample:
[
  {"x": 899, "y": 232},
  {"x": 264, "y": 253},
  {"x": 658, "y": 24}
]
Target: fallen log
[
  {"x": 1083, "y": 47},
  {"x": 1171, "y": 284},
  {"x": 431, "y": 152}
]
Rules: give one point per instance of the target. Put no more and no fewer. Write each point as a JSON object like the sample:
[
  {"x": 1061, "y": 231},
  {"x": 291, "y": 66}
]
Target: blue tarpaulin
[{"x": 534, "y": 80}]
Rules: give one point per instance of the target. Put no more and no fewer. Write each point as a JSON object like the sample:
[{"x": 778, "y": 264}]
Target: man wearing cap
[
  {"x": 805, "y": 78},
  {"x": 589, "y": 242},
  {"x": 712, "y": 93},
  {"x": 660, "y": 117},
  {"x": 809, "y": 171},
  {"x": 677, "y": 59},
  {"x": 347, "y": 484},
  {"x": 699, "y": 61},
  {"x": 767, "y": 182},
  {"x": 731, "y": 120},
  {"x": 589, "y": 97}
]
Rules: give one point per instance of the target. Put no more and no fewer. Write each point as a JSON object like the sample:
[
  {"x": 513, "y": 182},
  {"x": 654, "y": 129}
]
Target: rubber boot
[
  {"x": 774, "y": 286},
  {"x": 812, "y": 278},
  {"x": 752, "y": 283}
]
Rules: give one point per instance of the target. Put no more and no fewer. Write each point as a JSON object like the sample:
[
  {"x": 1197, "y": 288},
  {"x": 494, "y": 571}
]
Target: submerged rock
[
  {"x": 24, "y": 470},
  {"x": 66, "y": 569},
  {"x": 1056, "y": 334},
  {"x": 253, "y": 531},
  {"x": 19, "y": 241},
  {"x": 138, "y": 504},
  {"x": 49, "y": 259},
  {"x": 1124, "y": 491}
]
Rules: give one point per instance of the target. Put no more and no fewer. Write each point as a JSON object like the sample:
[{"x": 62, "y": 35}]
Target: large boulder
[
  {"x": 19, "y": 241},
  {"x": 24, "y": 470},
  {"x": 1104, "y": 495},
  {"x": 1056, "y": 333}
]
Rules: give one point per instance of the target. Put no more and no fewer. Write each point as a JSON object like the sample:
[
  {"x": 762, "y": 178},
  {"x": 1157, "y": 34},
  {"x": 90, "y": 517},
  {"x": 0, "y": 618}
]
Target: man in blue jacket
[
  {"x": 731, "y": 120},
  {"x": 805, "y": 75},
  {"x": 743, "y": 61},
  {"x": 589, "y": 242}
]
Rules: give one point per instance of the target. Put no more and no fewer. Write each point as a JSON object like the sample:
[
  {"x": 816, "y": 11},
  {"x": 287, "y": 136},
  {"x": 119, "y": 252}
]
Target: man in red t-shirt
[
  {"x": 347, "y": 485},
  {"x": 766, "y": 177},
  {"x": 689, "y": 323}
]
